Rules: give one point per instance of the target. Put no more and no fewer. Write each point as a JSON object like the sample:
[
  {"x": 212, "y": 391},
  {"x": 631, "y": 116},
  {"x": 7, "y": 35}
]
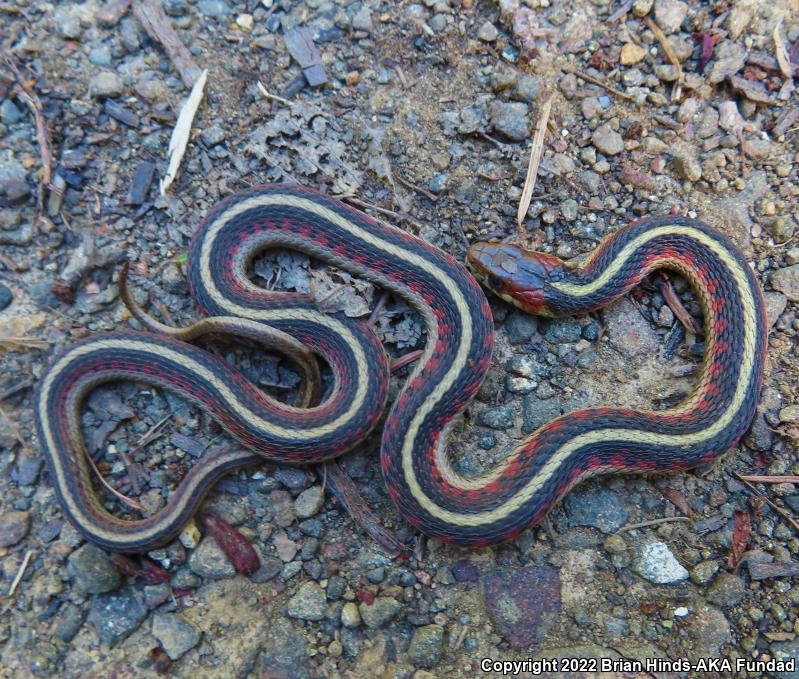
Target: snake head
[{"x": 516, "y": 275}]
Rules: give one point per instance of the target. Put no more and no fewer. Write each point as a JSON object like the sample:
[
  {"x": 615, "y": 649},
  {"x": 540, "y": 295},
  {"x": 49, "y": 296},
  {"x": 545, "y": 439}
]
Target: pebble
[
  {"x": 607, "y": 140},
  {"x": 176, "y": 634},
  {"x": 213, "y": 8},
  {"x": 285, "y": 652},
  {"x": 510, "y": 119},
  {"x": 9, "y": 113},
  {"x": 350, "y": 616},
  {"x": 13, "y": 527},
  {"x": 727, "y": 590},
  {"x": 629, "y": 331},
  {"x": 381, "y": 611},
  {"x": 282, "y": 508},
  {"x": 708, "y": 629},
  {"x": 786, "y": 651},
  {"x": 115, "y": 616},
  {"x": 523, "y": 603},
  {"x": 362, "y": 19},
  {"x": 786, "y": 280},
  {"x": 703, "y": 572},
  {"x": 106, "y": 84},
  {"x": 309, "y": 502},
  {"x": 67, "y": 23},
  {"x": 92, "y": 570},
  {"x": 655, "y": 562},
  {"x": 615, "y": 544},
  {"x": 525, "y": 89},
  {"x": 497, "y": 418},
  {"x": 669, "y": 14},
  {"x": 465, "y": 571},
  {"x": 309, "y": 603},
  {"x": 563, "y": 331},
  {"x": 209, "y": 561},
  {"x": 488, "y": 32},
  {"x": 213, "y": 135},
  {"x": 5, "y": 296},
  {"x": 537, "y": 412},
  {"x": 597, "y": 507},
  {"x": 520, "y": 327},
  {"x": 71, "y": 621},
  {"x": 631, "y": 54},
  {"x": 687, "y": 165},
  {"x": 790, "y": 414},
  {"x": 642, "y": 7},
  {"x": 728, "y": 58},
  {"x": 426, "y": 646},
  {"x": 100, "y": 56}
]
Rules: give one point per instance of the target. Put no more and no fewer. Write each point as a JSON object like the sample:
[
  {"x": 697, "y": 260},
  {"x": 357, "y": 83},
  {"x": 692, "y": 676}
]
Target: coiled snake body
[{"x": 420, "y": 479}]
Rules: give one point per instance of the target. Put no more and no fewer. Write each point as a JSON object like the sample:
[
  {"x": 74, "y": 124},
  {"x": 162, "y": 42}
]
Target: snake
[{"x": 420, "y": 477}]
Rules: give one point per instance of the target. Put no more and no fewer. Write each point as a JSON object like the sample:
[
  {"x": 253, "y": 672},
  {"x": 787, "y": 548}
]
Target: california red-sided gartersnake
[{"x": 421, "y": 480}]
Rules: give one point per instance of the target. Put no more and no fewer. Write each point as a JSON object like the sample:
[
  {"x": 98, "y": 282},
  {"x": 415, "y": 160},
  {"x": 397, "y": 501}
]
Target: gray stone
[
  {"x": 176, "y": 8},
  {"x": 669, "y": 14},
  {"x": 563, "y": 331},
  {"x": 282, "y": 508},
  {"x": 787, "y": 282},
  {"x": 497, "y": 418},
  {"x": 92, "y": 570},
  {"x": 67, "y": 23},
  {"x": 687, "y": 165},
  {"x": 13, "y": 527},
  {"x": 525, "y": 89},
  {"x": 520, "y": 327},
  {"x": 309, "y": 502},
  {"x": 590, "y": 180},
  {"x": 426, "y": 646},
  {"x": 5, "y": 296},
  {"x": 727, "y": 590},
  {"x": 309, "y": 603},
  {"x": 115, "y": 616},
  {"x": 362, "y": 19},
  {"x": 213, "y": 135},
  {"x": 708, "y": 629},
  {"x": 628, "y": 331},
  {"x": 607, "y": 140},
  {"x": 100, "y": 56},
  {"x": 285, "y": 652},
  {"x": 176, "y": 634},
  {"x": 106, "y": 84},
  {"x": 655, "y": 562},
  {"x": 487, "y": 32},
  {"x": 703, "y": 572},
  {"x": 524, "y": 366},
  {"x": 537, "y": 412},
  {"x": 11, "y": 171},
  {"x": 728, "y": 58},
  {"x": 437, "y": 183},
  {"x": 380, "y": 612},
  {"x": 209, "y": 561},
  {"x": 597, "y": 507},
  {"x": 350, "y": 616},
  {"x": 213, "y": 8},
  {"x": 71, "y": 620},
  {"x": 9, "y": 113},
  {"x": 786, "y": 651},
  {"x": 510, "y": 119}
]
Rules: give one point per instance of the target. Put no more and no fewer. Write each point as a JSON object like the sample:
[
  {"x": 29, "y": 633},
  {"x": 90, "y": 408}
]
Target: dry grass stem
[{"x": 535, "y": 160}]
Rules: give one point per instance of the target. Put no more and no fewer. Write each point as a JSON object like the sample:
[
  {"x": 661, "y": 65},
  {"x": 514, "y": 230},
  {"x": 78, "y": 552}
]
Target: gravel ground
[{"x": 426, "y": 114}]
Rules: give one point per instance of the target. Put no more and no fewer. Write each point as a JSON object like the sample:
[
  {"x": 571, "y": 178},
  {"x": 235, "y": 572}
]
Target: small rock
[
  {"x": 655, "y": 562},
  {"x": 607, "y": 140},
  {"x": 309, "y": 502},
  {"x": 628, "y": 331},
  {"x": 282, "y": 508},
  {"x": 213, "y": 135},
  {"x": 497, "y": 418},
  {"x": 708, "y": 629},
  {"x": 350, "y": 616},
  {"x": 775, "y": 305},
  {"x": 176, "y": 634},
  {"x": 285, "y": 547},
  {"x": 13, "y": 527},
  {"x": 309, "y": 603},
  {"x": 563, "y": 331},
  {"x": 787, "y": 282},
  {"x": 115, "y": 616},
  {"x": 525, "y": 89},
  {"x": 285, "y": 653},
  {"x": 738, "y": 19},
  {"x": 93, "y": 571},
  {"x": 5, "y": 296},
  {"x": 669, "y": 14},
  {"x": 631, "y": 54},
  {"x": 615, "y": 544},
  {"x": 209, "y": 561},
  {"x": 510, "y": 119},
  {"x": 437, "y": 183},
  {"x": 597, "y": 507},
  {"x": 786, "y": 651},
  {"x": 465, "y": 571},
  {"x": 537, "y": 412},
  {"x": 687, "y": 165},
  {"x": 67, "y": 23},
  {"x": 100, "y": 56},
  {"x": 426, "y": 646},
  {"x": 727, "y": 590},
  {"x": 790, "y": 414},
  {"x": 488, "y": 32},
  {"x": 728, "y": 58},
  {"x": 523, "y": 603},
  {"x": 362, "y": 20},
  {"x": 703, "y": 572},
  {"x": 9, "y": 113},
  {"x": 381, "y": 611},
  {"x": 213, "y": 8},
  {"x": 642, "y": 7},
  {"x": 520, "y": 327},
  {"x": 106, "y": 84},
  {"x": 245, "y": 21},
  {"x": 71, "y": 621}
]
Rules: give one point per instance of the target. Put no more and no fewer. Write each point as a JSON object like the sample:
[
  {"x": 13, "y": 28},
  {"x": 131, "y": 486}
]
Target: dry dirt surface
[{"x": 425, "y": 120}]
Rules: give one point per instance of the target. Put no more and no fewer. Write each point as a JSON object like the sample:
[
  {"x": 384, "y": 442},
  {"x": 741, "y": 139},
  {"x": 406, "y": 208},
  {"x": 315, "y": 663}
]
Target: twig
[
  {"x": 433, "y": 197},
  {"x": 19, "y": 386},
  {"x": 122, "y": 497},
  {"x": 619, "y": 13},
  {"x": 24, "y": 343},
  {"x": 33, "y": 102},
  {"x": 790, "y": 478},
  {"x": 535, "y": 159},
  {"x": 666, "y": 45},
  {"x": 596, "y": 81},
  {"x": 180, "y": 135},
  {"x": 677, "y": 307},
  {"x": 381, "y": 304},
  {"x": 343, "y": 488},
  {"x": 651, "y": 522},
  {"x": 781, "y": 52},
  {"x": 411, "y": 357},
  {"x": 382, "y": 210},
  {"x": 155, "y": 22},
  {"x": 21, "y": 572},
  {"x": 273, "y": 97},
  {"x": 150, "y": 435},
  {"x": 785, "y": 515}
]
